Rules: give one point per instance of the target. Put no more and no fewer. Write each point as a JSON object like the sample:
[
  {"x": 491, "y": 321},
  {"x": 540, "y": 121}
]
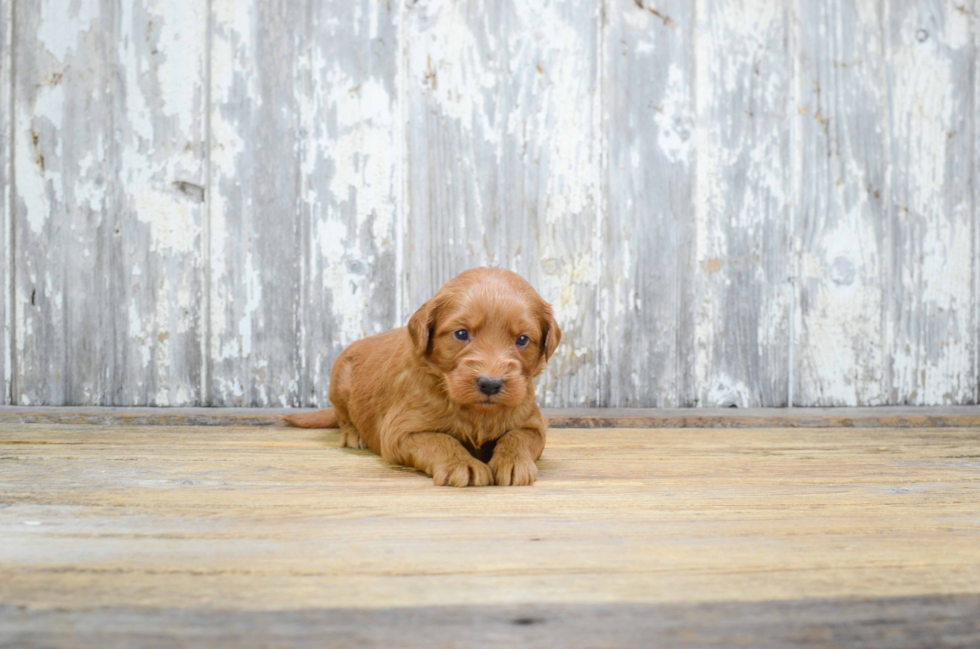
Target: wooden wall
[{"x": 751, "y": 203}]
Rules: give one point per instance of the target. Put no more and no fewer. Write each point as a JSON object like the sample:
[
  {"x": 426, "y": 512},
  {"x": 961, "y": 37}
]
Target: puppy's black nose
[{"x": 489, "y": 386}]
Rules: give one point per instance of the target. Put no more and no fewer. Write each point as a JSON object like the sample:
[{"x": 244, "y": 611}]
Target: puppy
[{"x": 451, "y": 394}]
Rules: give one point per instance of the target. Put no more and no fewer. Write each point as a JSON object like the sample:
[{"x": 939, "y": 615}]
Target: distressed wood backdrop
[{"x": 752, "y": 203}]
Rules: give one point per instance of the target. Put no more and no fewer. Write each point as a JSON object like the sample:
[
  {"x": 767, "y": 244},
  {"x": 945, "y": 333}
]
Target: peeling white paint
[
  {"x": 846, "y": 304},
  {"x": 138, "y": 335},
  {"x": 59, "y": 24},
  {"x": 348, "y": 304},
  {"x": 6, "y": 192},
  {"x": 364, "y": 152},
  {"x": 489, "y": 137},
  {"x": 936, "y": 340},
  {"x": 447, "y": 65},
  {"x": 232, "y": 63},
  {"x": 724, "y": 391},
  {"x": 39, "y": 183},
  {"x": 562, "y": 98},
  {"x": 673, "y": 118},
  {"x": 158, "y": 137},
  {"x": 741, "y": 192}
]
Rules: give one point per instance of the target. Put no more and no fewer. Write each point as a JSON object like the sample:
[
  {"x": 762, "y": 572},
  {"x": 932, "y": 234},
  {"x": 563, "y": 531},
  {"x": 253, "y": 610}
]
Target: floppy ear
[
  {"x": 550, "y": 333},
  {"x": 422, "y": 328}
]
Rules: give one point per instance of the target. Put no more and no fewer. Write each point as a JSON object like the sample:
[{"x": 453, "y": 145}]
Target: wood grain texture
[
  {"x": 195, "y": 523},
  {"x": 6, "y": 193},
  {"x": 303, "y": 188},
  {"x": 932, "y": 221},
  {"x": 841, "y": 223},
  {"x": 742, "y": 323},
  {"x": 159, "y": 116},
  {"x": 648, "y": 270},
  {"x": 925, "y": 621},
  {"x": 728, "y": 202},
  {"x": 64, "y": 222},
  {"x": 109, "y": 156},
  {"x": 350, "y": 152},
  {"x": 504, "y": 167},
  {"x": 256, "y": 235}
]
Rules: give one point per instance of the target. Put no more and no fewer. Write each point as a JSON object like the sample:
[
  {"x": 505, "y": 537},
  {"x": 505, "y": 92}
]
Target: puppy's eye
[
  {"x": 522, "y": 340},
  {"x": 462, "y": 334}
]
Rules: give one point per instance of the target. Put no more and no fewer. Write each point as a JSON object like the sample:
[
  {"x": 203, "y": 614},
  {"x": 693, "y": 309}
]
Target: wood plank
[
  {"x": 159, "y": 156},
  {"x": 303, "y": 193},
  {"x": 109, "y": 161},
  {"x": 926, "y": 621},
  {"x": 350, "y": 154},
  {"x": 212, "y": 521},
  {"x": 64, "y": 223},
  {"x": 742, "y": 325},
  {"x": 6, "y": 189},
  {"x": 503, "y": 161},
  {"x": 648, "y": 272},
  {"x": 841, "y": 231},
  {"x": 256, "y": 233},
  {"x": 904, "y": 417},
  {"x": 931, "y": 308}
]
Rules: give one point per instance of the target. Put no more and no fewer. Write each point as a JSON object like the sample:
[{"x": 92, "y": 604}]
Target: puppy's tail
[{"x": 319, "y": 419}]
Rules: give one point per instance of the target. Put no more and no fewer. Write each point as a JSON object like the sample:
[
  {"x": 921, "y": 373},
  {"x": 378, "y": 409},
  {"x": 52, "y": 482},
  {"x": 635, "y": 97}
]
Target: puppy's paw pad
[
  {"x": 513, "y": 471},
  {"x": 471, "y": 473}
]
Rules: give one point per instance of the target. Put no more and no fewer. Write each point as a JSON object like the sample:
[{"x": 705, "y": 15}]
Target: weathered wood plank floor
[{"x": 168, "y": 536}]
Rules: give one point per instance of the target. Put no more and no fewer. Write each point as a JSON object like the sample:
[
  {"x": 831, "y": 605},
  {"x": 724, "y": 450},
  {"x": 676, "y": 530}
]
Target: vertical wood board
[
  {"x": 743, "y": 298},
  {"x": 63, "y": 222},
  {"x": 256, "y": 234},
  {"x": 158, "y": 201},
  {"x": 303, "y": 185},
  {"x": 109, "y": 133},
  {"x": 841, "y": 179},
  {"x": 648, "y": 273},
  {"x": 350, "y": 152},
  {"x": 933, "y": 220},
  {"x": 6, "y": 180}
]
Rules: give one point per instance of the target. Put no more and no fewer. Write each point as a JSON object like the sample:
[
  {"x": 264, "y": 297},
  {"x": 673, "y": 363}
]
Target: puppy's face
[{"x": 488, "y": 334}]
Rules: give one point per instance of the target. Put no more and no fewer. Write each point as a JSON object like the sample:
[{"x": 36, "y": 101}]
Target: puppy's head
[{"x": 488, "y": 333}]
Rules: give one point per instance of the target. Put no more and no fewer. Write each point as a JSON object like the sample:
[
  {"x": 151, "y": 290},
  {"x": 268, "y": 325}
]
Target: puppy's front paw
[
  {"x": 513, "y": 471},
  {"x": 463, "y": 473},
  {"x": 350, "y": 438}
]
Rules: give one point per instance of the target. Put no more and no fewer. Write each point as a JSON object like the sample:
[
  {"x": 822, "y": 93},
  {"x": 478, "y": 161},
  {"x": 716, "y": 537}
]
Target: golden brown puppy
[{"x": 452, "y": 394}]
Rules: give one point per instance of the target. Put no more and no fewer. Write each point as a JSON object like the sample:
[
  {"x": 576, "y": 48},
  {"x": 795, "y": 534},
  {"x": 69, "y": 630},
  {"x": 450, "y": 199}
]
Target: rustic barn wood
[
  {"x": 303, "y": 193},
  {"x": 933, "y": 211},
  {"x": 729, "y": 203},
  {"x": 6, "y": 187},
  {"x": 649, "y": 269},
  {"x": 842, "y": 205},
  {"x": 742, "y": 323},
  {"x": 164, "y": 536},
  {"x": 109, "y": 167}
]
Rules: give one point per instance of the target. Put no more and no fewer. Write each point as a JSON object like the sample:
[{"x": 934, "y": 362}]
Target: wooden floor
[{"x": 242, "y": 536}]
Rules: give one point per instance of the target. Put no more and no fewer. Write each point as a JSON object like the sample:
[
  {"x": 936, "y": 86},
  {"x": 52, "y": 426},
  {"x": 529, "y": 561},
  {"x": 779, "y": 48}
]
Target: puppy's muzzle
[{"x": 489, "y": 385}]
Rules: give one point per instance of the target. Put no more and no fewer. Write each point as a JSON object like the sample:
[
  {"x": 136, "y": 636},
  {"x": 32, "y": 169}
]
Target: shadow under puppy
[{"x": 451, "y": 394}]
